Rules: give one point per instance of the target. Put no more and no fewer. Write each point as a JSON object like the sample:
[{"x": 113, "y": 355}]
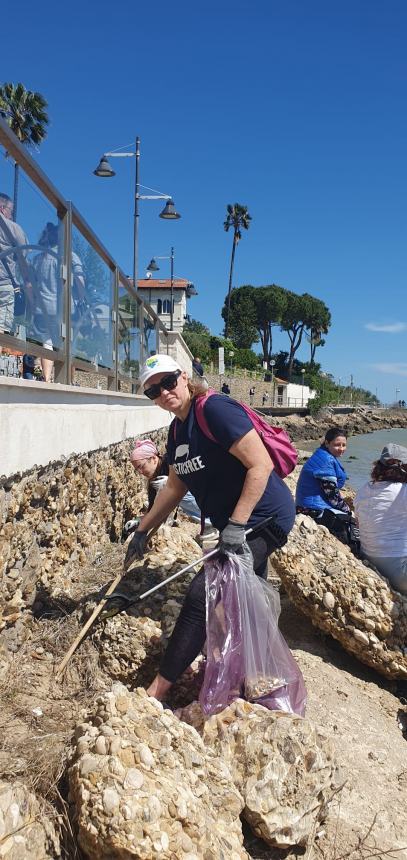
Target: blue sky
[{"x": 297, "y": 110}]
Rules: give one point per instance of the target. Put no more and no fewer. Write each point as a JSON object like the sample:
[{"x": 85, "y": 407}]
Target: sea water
[{"x": 362, "y": 450}]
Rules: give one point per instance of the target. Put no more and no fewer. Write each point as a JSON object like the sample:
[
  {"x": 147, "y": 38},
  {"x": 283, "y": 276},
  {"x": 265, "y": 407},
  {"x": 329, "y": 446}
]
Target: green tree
[
  {"x": 199, "y": 344},
  {"x": 237, "y": 218},
  {"x": 242, "y": 317},
  {"x": 319, "y": 323},
  {"x": 196, "y": 327},
  {"x": 246, "y": 358},
  {"x": 271, "y": 303},
  {"x": 253, "y": 313},
  {"x": 25, "y": 113},
  {"x": 302, "y": 313}
]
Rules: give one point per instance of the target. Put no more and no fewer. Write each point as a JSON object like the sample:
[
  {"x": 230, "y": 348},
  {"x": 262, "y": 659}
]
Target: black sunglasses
[{"x": 168, "y": 383}]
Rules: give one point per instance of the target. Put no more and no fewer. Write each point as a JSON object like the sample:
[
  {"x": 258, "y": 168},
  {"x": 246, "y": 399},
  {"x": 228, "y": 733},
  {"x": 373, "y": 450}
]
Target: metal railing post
[
  {"x": 113, "y": 383},
  {"x": 63, "y": 370}
]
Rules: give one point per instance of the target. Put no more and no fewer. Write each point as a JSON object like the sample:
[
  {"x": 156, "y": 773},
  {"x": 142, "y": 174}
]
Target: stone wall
[
  {"x": 239, "y": 387},
  {"x": 54, "y": 518}
]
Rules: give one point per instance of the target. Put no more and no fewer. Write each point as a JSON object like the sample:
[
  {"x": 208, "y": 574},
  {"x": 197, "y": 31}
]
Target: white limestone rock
[
  {"x": 345, "y": 597},
  {"x": 157, "y": 792}
]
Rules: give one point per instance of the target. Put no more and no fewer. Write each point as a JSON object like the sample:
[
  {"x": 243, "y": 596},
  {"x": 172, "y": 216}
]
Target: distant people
[
  {"x": 318, "y": 488},
  {"x": 381, "y": 511},
  {"x": 29, "y": 367},
  {"x": 14, "y": 272},
  {"x": 251, "y": 395},
  {"x": 225, "y": 388},
  {"x": 265, "y": 398},
  {"x": 197, "y": 366}
]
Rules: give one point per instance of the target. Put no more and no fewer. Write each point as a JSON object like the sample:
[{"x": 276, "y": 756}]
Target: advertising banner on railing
[{"x": 221, "y": 359}]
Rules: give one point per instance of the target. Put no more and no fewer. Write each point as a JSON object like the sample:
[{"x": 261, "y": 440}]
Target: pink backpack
[{"x": 275, "y": 440}]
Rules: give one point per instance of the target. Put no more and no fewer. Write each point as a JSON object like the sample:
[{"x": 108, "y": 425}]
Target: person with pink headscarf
[{"x": 146, "y": 460}]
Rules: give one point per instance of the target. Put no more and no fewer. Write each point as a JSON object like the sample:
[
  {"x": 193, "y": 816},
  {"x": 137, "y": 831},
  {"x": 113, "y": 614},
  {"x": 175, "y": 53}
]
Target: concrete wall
[{"x": 40, "y": 423}]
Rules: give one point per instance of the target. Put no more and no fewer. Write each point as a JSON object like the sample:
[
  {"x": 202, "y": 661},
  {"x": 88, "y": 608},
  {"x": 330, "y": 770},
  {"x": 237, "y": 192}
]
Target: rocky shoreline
[
  {"x": 135, "y": 781},
  {"x": 360, "y": 421}
]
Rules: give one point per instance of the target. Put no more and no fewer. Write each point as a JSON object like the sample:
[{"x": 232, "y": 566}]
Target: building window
[
  {"x": 159, "y": 306},
  {"x": 166, "y": 306}
]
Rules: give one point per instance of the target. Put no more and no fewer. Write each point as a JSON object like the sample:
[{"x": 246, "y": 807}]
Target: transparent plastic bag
[{"x": 247, "y": 656}]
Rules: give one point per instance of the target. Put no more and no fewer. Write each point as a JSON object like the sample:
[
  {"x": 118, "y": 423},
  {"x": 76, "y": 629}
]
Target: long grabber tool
[
  {"x": 130, "y": 601},
  {"x": 126, "y": 602},
  {"x": 97, "y": 610}
]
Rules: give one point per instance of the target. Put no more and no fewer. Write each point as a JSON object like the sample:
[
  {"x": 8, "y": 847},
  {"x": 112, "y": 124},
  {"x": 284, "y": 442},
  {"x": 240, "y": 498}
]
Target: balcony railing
[{"x": 81, "y": 312}]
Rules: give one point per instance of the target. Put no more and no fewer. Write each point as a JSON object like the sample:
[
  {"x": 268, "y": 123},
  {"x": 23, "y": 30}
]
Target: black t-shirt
[{"x": 215, "y": 477}]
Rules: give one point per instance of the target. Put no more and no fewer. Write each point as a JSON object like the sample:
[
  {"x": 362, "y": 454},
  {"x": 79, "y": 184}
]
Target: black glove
[
  {"x": 232, "y": 538},
  {"x": 135, "y": 548}
]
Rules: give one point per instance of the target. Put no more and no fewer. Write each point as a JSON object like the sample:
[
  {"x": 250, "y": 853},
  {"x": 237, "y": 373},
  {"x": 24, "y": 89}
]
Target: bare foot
[{"x": 159, "y": 688}]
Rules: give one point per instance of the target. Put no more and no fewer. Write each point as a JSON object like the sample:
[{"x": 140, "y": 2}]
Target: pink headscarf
[{"x": 143, "y": 449}]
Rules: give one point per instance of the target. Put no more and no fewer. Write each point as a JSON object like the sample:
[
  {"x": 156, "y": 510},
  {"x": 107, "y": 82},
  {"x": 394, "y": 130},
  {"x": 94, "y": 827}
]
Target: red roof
[{"x": 162, "y": 284}]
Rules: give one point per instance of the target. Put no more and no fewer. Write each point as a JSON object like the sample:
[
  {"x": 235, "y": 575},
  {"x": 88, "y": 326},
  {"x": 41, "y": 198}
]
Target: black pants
[
  {"x": 342, "y": 526},
  {"x": 189, "y": 633}
]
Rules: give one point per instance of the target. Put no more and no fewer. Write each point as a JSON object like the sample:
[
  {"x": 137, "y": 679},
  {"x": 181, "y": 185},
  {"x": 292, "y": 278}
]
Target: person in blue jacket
[{"x": 321, "y": 479}]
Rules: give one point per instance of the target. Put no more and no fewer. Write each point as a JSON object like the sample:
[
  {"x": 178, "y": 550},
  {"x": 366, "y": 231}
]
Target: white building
[
  {"x": 290, "y": 394},
  {"x": 157, "y": 292}
]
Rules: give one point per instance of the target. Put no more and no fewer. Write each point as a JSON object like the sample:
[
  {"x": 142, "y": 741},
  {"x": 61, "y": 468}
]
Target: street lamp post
[
  {"x": 169, "y": 212},
  {"x": 302, "y": 387},
  {"x": 231, "y": 354},
  {"x": 152, "y": 267},
  {"x": 272, "y": 365}
]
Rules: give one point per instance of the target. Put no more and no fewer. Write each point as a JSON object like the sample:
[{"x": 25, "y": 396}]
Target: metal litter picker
[{"x": 126, "y": 602}]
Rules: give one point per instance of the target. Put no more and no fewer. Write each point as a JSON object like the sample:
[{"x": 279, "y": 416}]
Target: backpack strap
[{"x": 199, "y": 404}]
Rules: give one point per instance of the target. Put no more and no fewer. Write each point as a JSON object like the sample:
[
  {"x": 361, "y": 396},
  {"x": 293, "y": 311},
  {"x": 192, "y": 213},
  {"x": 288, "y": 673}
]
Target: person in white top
[{"x": 381, "y": 510}]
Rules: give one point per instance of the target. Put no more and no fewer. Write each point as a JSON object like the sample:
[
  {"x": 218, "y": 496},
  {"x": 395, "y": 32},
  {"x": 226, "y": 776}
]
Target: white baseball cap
[{"x": 157, "y": 364}]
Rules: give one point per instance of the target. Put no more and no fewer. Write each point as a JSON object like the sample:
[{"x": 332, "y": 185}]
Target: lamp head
[
  {"x": 169, "y": 212},
  {"x": 152, "y": 266},
  {"x": 104, "y": 168}
]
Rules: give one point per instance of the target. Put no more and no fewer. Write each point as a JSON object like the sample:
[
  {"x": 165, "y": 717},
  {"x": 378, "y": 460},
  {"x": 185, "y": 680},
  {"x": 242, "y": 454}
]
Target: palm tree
[
  {"x": 25, "y": 113},
  {"x": 237, "y": 217}
]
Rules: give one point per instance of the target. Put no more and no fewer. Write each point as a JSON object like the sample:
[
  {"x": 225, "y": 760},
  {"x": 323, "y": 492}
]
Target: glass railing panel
[
  {"x": 92, "y": 303},
  {"x": 128, "y": 334},
  {"x": 149, "y": 335},
  {"x": 31, "y": 254}
]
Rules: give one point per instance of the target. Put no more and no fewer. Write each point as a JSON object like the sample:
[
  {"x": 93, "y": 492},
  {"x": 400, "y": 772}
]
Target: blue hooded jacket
[{"x": 321, "y": 464}]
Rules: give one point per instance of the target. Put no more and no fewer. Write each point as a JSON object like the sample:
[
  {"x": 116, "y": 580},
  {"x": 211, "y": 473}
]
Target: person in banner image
[
  {"x": 232, "y": 479},
  {"x": 14, "y": 273}
]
